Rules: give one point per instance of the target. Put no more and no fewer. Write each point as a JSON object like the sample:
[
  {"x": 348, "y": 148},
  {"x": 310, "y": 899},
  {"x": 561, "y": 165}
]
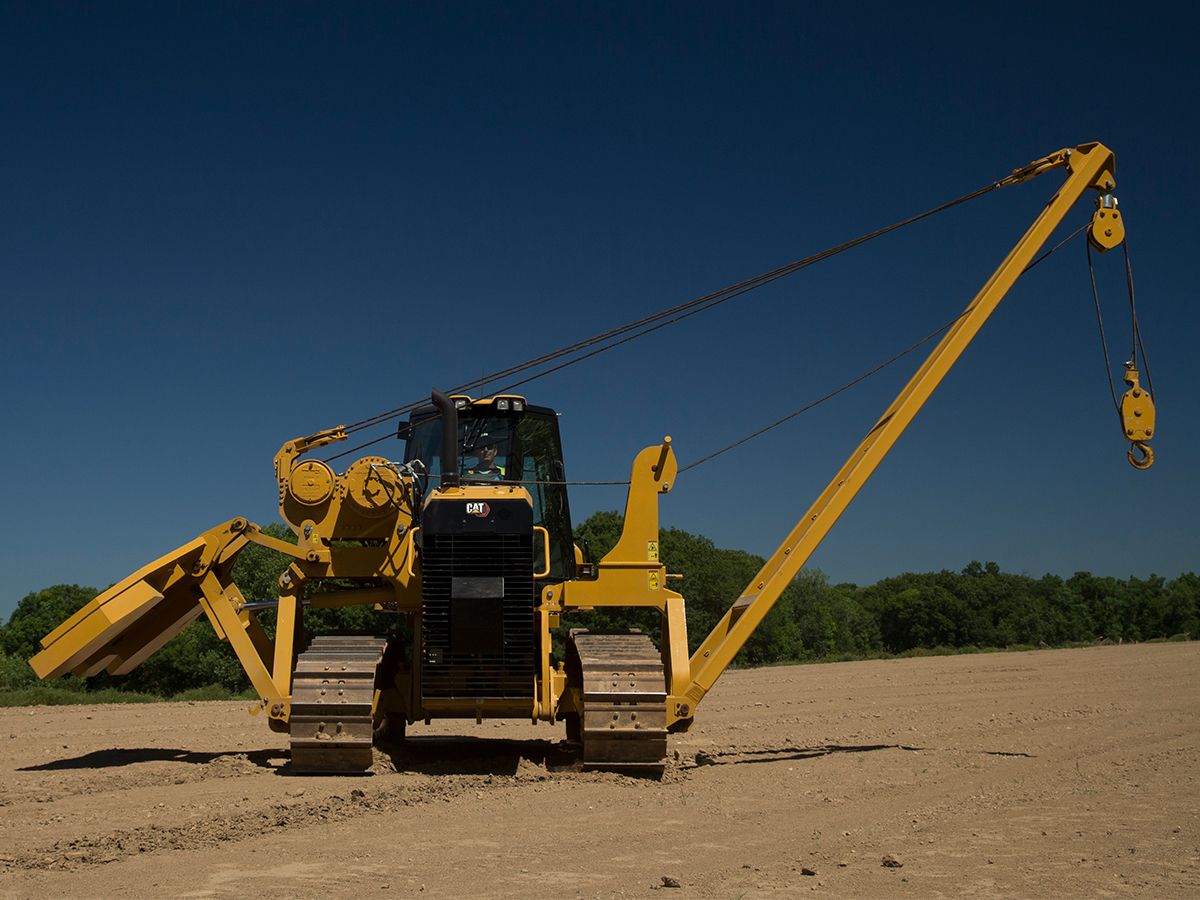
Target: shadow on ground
[
  {"x": 466, "y": 755},
  {"x": 109, "y": 759}
]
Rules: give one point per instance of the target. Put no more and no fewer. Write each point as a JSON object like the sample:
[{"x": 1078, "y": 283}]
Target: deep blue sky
[{"x": 225, "y": 226}]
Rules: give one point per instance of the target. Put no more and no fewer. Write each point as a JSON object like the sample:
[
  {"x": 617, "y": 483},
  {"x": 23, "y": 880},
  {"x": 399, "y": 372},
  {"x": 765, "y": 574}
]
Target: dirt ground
[{"x": 1047, "y": 773}]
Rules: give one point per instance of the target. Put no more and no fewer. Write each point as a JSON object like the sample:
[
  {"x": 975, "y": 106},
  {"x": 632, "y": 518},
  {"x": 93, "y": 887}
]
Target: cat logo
[{"x": 480, "y": 509}]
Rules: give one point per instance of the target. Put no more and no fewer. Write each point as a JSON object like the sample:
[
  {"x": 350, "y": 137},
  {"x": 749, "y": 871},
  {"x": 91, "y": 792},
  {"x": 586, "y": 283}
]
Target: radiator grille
[{"x": 502, "y": 627}]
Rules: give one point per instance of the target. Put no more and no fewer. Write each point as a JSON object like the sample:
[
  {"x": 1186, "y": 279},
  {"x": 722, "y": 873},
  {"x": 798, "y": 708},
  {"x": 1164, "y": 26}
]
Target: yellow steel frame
[
  {"x": 631, "y": 574},
  {"x": 121, "y": 627}
]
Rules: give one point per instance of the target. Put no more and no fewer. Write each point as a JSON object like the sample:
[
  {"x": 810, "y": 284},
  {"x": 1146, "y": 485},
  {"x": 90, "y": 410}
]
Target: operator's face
[{"x": 487, "y": 455}]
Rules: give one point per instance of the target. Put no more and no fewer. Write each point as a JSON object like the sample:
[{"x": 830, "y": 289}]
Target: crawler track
[
  {"x": 623, "y": 725},
  {"x": 332, "y": 692}
]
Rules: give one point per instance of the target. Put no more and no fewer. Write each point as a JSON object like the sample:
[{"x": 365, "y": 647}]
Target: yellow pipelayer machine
[{"x": 479, "y": 560}]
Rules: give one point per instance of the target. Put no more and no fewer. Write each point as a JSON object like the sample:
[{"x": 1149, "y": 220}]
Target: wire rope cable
[
  {"x": 678, "y": 312},
  {"x": 783, "y": 419}
]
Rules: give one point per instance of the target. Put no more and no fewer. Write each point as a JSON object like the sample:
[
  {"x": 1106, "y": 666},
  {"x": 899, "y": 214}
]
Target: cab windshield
[
  {"x": 521, "y": 448},
  {"x": 485, "y": 445}
]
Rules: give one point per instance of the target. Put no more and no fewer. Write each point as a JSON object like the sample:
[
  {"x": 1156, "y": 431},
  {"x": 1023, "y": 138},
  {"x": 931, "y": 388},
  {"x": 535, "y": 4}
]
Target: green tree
[{"x": 40, "y": 613}]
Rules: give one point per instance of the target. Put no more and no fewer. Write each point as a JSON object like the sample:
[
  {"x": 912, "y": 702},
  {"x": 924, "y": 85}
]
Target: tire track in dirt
[{"x": 211, "y": 831}]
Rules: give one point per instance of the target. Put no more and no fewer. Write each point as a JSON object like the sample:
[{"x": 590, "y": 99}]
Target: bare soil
[{"x": 1066, "y": 772}]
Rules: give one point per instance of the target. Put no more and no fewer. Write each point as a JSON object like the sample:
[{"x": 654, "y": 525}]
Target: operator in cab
[{"x": 485, "y": 464}]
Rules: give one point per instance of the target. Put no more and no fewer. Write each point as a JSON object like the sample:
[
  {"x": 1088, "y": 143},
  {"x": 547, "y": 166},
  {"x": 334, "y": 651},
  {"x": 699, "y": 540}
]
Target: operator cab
[{"x": 503, "y": 440}]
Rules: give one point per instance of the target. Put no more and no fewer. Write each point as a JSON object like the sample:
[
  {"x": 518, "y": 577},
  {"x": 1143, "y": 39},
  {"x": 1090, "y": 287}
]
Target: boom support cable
[
  {"x": 1137, "y": 348},
  {"x": 808, "y": 406},
  {"x": 650, "y": 323},
  {"x": 630, "y": 331},
  {"x": 867, "y": 374}
]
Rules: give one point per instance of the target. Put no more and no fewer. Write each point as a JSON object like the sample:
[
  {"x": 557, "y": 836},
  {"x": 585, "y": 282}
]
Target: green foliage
[
  {"x": 913, "y": 614},
  {"x": 14, "y": 672},
  {"x": 40, "y": 613},
  {"x": 54, "y": 695}
]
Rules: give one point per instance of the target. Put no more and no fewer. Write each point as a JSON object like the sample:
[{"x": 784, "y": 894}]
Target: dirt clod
[
  {"x": 669, "y": 882},
  {"x": 890, "y": 862}
]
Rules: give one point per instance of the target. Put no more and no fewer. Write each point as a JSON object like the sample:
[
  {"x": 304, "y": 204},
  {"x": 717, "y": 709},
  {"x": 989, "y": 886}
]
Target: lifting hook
[{"x": 1140, "y": 455}]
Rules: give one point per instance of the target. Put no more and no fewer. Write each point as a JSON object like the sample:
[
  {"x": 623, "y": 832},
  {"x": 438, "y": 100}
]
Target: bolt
[
  {"x": 1108, "y": 185},
  {"x": 1137, "y": 412},
  {"x": 1137, "y": 393},
  {"x": 666, "y": 485},
  {"x": 1129, "y": 431},
  {"x": 307, "y": 529}
]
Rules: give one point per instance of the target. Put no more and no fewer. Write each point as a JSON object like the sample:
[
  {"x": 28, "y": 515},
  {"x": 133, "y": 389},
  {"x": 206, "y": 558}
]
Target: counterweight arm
[{"x": 1090, "y": 166}]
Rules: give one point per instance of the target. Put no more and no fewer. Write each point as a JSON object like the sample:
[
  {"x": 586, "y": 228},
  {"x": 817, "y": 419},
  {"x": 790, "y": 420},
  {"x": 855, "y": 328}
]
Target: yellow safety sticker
[
  {"x": 653, "y": 580},
  {"x": 652, "y": 551}
]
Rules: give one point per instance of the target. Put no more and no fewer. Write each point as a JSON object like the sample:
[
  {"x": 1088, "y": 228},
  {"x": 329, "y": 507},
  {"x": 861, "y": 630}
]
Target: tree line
[{"x": 978, "y": 607}]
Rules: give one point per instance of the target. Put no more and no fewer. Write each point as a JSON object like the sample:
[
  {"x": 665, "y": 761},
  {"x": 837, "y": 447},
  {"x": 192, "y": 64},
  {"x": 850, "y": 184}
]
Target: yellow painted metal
[
  {"x": 222, "y": 612},
  {"x": 311, "y": 483},
  {"x": 116, "y": 627},
  {"x": 678, "y": 667},
  {"x": 367, "y": 501},
  {"x": 1108, "y": 225},
  {"x": 631, "y": 574},
  {"x": 1089, "y": 167},
  {"x": 1137, "y": 416},
  {"x": 287, "y": 624},
  {"x": 538, "y": 529}
]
